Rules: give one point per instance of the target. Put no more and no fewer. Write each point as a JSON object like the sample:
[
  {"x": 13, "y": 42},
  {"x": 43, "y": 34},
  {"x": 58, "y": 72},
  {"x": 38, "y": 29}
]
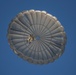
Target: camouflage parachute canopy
[{"x": 37, "y": 36}]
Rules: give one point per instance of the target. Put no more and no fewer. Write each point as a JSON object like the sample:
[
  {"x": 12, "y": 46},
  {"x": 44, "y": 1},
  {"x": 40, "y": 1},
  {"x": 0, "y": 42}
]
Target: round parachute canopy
[{"x": 37, "y": 36}]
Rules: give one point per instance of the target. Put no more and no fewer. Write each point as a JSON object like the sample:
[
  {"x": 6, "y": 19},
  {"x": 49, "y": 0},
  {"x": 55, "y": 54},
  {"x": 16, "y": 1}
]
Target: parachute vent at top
[{"x": 37, "y": 36}]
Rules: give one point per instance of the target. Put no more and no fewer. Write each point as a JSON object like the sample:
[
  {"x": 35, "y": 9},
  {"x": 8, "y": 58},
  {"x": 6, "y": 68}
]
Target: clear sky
[{"x": 65, "y": 11}]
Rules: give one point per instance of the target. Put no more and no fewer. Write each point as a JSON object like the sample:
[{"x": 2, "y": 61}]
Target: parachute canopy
[{"x": 37, "y": 36}]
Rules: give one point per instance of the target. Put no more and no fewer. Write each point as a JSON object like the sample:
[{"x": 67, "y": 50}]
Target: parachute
[{"x": 36, "y": 36}]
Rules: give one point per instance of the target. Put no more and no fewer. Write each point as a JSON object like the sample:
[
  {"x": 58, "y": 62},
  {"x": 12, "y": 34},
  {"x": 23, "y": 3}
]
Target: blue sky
[{"x": 65, "y": 11}]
